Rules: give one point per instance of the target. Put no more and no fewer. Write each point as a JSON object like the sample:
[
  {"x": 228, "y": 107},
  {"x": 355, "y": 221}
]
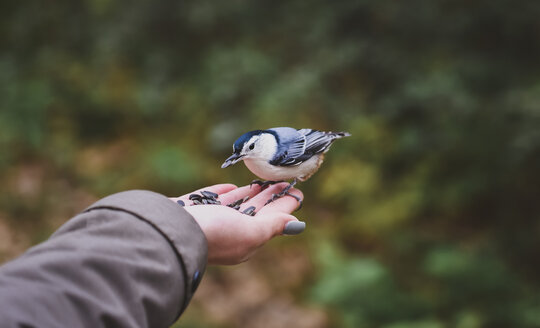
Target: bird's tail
[{"x": 338, "y": 135}]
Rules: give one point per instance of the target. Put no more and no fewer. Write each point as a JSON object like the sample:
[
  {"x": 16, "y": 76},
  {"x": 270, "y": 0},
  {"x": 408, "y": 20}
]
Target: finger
[
  {"x": 261, "y": 198},
  {"x": 285, "y": 204},
  {"x": 239, "y": 193},
  {"x": 281, "y": 223},
  {"x": 219, "y": 189}
]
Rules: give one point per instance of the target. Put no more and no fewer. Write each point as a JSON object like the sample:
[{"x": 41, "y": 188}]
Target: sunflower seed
[
  {"x": 250, "y": 210},
  {"x": 195, "y": 197},
  {"x": 235, "y": 203},
  {"x": 209, "y": 194}
]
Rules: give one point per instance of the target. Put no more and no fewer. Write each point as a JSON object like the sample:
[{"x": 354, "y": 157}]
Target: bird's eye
[{"x": 251, "y": 146}]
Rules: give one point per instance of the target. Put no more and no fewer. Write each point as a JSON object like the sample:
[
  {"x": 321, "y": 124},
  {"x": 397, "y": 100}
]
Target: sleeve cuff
[{"x": 173, "y": 222}]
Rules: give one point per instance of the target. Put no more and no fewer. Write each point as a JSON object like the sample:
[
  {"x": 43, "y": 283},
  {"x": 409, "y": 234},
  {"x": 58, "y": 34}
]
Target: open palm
[{"x": 233, "y": 236}]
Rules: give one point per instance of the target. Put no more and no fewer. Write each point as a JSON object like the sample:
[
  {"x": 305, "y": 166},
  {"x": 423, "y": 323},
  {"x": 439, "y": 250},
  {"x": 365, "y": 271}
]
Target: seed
[
  {"x": 195, "y": 197},
  {"x": 197, "y": 202},
  {"x": 250, "y": 210},
  {"x": 209, "y": 194},
  {"x": 235, "y": 203},
  {"x": 181, "y": 202}
]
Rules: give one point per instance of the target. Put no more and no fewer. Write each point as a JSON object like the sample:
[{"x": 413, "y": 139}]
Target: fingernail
[{"x": 294, "y": 227}]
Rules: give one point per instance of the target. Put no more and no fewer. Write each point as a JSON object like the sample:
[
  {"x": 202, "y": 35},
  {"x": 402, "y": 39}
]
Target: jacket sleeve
[{"x": 132, "y": 259}]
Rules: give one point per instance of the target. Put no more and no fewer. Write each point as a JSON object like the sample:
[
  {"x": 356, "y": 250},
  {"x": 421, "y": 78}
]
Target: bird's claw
[
  {"x": 263, "y": 184},
  {"x": 285, "y": 192}
]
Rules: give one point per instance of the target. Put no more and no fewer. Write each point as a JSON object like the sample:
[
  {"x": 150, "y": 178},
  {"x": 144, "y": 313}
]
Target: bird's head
[{"x": 258, "y": 144}]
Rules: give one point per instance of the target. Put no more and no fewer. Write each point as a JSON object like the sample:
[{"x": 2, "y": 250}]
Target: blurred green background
[{"x": 427, "y": 217}]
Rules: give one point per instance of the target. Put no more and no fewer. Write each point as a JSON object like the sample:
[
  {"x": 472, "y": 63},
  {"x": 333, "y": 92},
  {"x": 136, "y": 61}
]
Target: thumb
[{"x": 285, "y": 224}]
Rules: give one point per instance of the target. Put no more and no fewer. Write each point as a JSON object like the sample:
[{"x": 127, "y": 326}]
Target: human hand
[{"x": 233, "y": 236}]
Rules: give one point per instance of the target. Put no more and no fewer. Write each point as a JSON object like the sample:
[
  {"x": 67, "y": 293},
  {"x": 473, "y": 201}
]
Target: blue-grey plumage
[{"x": 283, "y": 153}]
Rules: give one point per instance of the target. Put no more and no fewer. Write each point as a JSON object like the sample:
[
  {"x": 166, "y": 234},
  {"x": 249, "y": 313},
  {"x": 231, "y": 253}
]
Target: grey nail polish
[{"x": 294, "y": 227}]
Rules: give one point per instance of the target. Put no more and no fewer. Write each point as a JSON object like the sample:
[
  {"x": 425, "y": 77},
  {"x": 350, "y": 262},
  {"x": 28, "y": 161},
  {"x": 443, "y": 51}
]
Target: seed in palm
[
  {"x": 209, "y": 194},
  {"x": 249, "y": 211}
]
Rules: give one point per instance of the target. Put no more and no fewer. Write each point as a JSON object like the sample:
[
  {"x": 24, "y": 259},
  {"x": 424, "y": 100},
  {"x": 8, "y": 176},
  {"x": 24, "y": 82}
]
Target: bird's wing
[
  {"x": 318, "y": 141},
  {"x": 301, "y": 146}
]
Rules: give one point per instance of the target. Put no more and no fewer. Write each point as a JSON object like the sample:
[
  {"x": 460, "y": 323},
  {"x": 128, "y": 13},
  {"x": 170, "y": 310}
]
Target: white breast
[{"x": 266, "y": 171}]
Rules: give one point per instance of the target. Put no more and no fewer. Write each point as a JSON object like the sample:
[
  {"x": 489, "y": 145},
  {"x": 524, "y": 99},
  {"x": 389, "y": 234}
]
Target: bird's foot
[
  {"x": 263, "y": 184},
  {"x": 285, "y": 192}
]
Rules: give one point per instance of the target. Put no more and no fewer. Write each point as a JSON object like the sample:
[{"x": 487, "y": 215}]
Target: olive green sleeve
[{"x": 132, "y": 259}]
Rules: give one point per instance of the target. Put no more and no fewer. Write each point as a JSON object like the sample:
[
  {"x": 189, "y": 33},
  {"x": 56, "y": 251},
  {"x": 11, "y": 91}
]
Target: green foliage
[
  {"x": 364, "y": 290},
  {"x": 428, "y": 216}
]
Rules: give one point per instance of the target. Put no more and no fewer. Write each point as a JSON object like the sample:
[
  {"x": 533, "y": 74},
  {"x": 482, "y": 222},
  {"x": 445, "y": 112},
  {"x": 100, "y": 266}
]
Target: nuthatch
[{"x": 282, "y": 153}]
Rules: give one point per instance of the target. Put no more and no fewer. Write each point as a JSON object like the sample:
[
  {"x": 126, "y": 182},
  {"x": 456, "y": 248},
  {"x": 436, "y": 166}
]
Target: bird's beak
[{"x": 233, "y": 159}]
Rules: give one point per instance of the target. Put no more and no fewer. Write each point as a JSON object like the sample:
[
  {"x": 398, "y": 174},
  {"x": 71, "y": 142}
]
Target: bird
[{"x": 282, "y": 153}]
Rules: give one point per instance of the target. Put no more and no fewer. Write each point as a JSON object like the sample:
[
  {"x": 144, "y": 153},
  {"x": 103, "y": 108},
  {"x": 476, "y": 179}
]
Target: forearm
[{"x": 128, "y": 261}]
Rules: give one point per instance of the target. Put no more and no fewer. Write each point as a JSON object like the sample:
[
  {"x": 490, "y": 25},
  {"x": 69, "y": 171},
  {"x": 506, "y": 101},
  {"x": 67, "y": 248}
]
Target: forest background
[{"x": 428, "y": 216}]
